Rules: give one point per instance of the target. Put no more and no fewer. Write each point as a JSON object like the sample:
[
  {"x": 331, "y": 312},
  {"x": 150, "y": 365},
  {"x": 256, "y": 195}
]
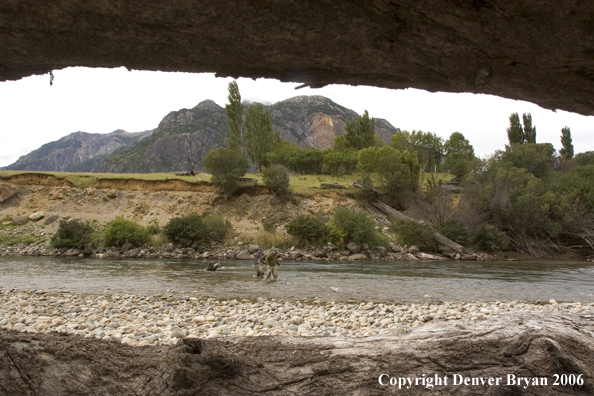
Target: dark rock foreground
[{"x": 530, "y": 346}]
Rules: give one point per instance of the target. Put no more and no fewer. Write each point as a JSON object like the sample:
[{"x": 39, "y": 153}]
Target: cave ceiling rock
[{"x": 542, "y": 52}]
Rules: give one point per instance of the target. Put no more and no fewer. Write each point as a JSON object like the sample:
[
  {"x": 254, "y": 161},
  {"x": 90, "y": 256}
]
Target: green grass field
[{"x": 308, "y": 184}]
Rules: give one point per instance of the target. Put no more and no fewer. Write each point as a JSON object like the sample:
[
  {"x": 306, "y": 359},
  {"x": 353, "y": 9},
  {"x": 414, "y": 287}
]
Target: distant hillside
[
  {"x": 79, "y": 151},
  {"x": 180, "y": 142},
  {"x": 314, "y": 121},
  {"x": 185, "y": 136}
]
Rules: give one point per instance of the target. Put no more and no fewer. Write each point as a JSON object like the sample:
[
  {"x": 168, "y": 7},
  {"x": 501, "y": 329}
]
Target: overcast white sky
[{"x": 103, "y": 100}]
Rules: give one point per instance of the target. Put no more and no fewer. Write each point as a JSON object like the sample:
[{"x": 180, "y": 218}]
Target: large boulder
[
  {"x": 36, "y": 216},
  {"x": 243, "y": 255},
  {"x": 51, "y": 219},
  {"x": 253, "y": 248},
  {"x": 7, "y": 191},
  {"x": 353, "y": 247},
  {"x": 358, "y": 256},
  {"x": 20, "y": 220}
]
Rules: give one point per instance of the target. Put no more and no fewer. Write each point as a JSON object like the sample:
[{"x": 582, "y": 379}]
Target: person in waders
[
  {"x": 271, "y": 263},
  {"x": 258, "y": 258}
]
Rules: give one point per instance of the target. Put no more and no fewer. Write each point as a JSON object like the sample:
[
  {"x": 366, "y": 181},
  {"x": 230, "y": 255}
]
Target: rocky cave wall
[{"x": 541, "y": 52}]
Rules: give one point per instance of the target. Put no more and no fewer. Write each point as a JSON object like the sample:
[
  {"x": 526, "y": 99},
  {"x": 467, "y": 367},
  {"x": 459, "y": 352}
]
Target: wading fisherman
[
  {"x": 258, "y": 258},
  {"x": 271, "y": 263}
]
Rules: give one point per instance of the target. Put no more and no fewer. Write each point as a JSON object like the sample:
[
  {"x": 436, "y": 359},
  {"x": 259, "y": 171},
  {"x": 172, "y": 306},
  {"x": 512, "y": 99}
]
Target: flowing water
[{"x": 397, "y": 282}]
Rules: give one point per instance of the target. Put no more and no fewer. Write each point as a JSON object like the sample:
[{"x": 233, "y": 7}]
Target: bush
[
  {"x": 119, "y": 231},
  {"x": 269, "y": 225},
  {"x": 357, "y": 226},
  {"x": 226, "y": 167},
  {"x": 72, "y": 234},
  {"x": 186, "y": 230},
  {"x": 411, "y": 233},
  {"x": 216, "y": 227},
  {"x": 270, "y": 239},
  {"x": 276, "y": 178},
  {"x": 334, "y": 234},
  {"x": 153, "y": 227},
  {"x": 489, "y": 238},
  {"x": 455, "y": 231},
  {"x": 307, "y": 228},
  {"x": 195, "y": 229}
]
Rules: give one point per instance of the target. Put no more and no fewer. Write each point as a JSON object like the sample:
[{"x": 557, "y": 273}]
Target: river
[{"x": 394, "y": 282}]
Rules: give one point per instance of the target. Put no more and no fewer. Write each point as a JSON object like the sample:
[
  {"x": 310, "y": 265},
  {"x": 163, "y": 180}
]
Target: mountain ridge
[{"x": 183, "y": 137}]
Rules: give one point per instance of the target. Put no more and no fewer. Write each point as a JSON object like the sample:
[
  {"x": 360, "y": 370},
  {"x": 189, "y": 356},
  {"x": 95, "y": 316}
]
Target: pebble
[{"x": 160, "y": 320}]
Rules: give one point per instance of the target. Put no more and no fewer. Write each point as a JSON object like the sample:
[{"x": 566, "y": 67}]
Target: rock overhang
[{"x": 542, "y": 52}]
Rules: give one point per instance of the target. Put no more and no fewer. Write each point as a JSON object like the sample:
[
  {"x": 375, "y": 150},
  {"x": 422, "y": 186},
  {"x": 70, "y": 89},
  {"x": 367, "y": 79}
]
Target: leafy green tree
[
  {"x": 536, "y": 158},
  {"x": 308, "y": 161},
  {"x": 226, "y": 167},
  {"x": 427, "y": 145},
  {"x": 515, "y": 132},
  {"x": 283, "y": 154},
  {"x": 360, "y": 132},
  {"x": 398, "y": 173},
  {"x": 458, "y": 144},
  {"x": 260, "y": 136},
  {"x": 234, "y": 110},
  {"x": 459, "y": 155},
  {"x": 529, "y": 130},
  {"x": 378, "y": 142},
  {"x": 401, "y": 140},
  {"x": 276, "y": 178},
  {"x": 367, "y": 160},
  {"x": 567, "y": 149},
  {"x": 340, "y": 143},
  {"x": 338, "y": 163}
]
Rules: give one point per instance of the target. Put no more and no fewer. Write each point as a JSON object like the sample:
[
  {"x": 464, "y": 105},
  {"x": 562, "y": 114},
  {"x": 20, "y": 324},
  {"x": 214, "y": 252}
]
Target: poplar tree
[
  {"x": 529, "y": 130},
  {"x": 234, "y": 110},
  {"x": 360, "y": 132},
  {"x": 260, "y": 136},
  {"x": 567, "y": 149},
  {"x": 515, "y": 133}
]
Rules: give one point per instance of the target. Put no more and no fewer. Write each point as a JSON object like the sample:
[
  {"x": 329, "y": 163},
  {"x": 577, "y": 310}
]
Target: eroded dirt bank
[
  {"x": 147, "y": 200},
  {"x": 520, "y": 345}
]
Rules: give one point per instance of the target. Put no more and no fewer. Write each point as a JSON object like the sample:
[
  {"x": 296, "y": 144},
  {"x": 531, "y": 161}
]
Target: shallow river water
[{"x": 397, "y": 282}]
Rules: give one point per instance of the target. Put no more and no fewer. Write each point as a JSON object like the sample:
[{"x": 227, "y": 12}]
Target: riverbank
[{"x": 165, "y": 319}]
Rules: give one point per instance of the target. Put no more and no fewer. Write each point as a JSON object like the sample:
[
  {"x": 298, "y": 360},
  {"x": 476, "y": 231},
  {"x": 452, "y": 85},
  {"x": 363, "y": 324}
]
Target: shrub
[
  {"x": 226, "y": 167},
  {"x": 72, "y": 234},
  {"x": 269, "y": 239},
  {"x": 186, "y": 230},
  {"x": 489, "y": 238},
  {"x": 153, "y": 227},
  {"x": 307, "y": 228},
  {"x": 358, "y": 226},
  {"x": 216, "y": 227},
  {"x": 334, "y": 234},
  {"x": 381, "y": 240},
  {"x": 412, "y": 233},
  {"x": 455, "y": 231},
  {"x": 269, "y": 225},
  {"x": 276, "y": 178},
  {"x": 119, "y": 231}
]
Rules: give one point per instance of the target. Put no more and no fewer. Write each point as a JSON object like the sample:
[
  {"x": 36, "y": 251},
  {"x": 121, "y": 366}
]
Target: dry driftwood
[
  {"x": 530, "y": 345},
  {"x": 331, "y": 185},
  {"x": 390, "y": 211}
]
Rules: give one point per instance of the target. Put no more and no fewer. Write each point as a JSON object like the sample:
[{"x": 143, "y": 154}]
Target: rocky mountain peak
[{"x": 208, "y": 105}]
